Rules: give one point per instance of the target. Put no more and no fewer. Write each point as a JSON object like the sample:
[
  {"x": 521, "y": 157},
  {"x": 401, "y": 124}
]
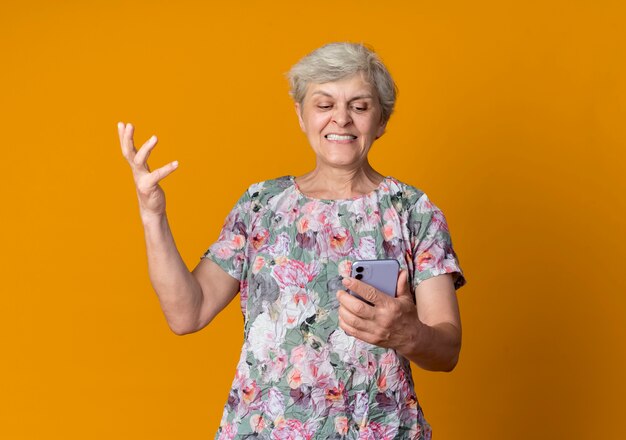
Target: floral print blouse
[{"x": 300, "y": 376}]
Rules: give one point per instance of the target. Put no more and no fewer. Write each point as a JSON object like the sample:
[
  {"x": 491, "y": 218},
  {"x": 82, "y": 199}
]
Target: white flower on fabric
[
  {"x": 257, "y": 423},
  {"x": 364, "y": 368},
  {"x": 292, "y": 429},
  {"x": 258, "y": 264},
  {"x": 256, "y": 187},
  {"x": 342, "y": 345},
  {"x": 355, "y": 355},
  {"x": 361, "y": 408},
  {"x": 423, "y": 204},
  {"x": 311, "y": 367},
  {"x": 364, "y": 217},
  {"x": 366, "y": 249},
  {"x": 242, "y": 374},
  {"x": 295, "y": 273},
  {"x": 344, "y": 268},
  {"x": 449, "y": 264},
  {"x": 431, "y": 257},
  {"x": 223, "y": 250},
  {"x": 392, "y": 228},
  {"x": 378, "y": 431},
  {"x": 275, "y": 367},
  {"x": 284, "y": 210},
  {"x": 274, "y": 406},
  {"x": 318, "y": 400},
  {"x": 296, "y": 307},
  {"x": 228, "y": 431},
  {"x": 341, "y": 425},
  {"x": 391, "y": 215},
  {"x": 264, "y": 335},
  {"x": 298, "y": 354},
  {"x": 389, "y": 372},
  {"x": 280, "y": 246}
]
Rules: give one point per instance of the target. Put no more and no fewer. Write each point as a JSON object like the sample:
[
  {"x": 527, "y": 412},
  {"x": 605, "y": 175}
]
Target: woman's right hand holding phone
[{"x": 151, "y": 196}]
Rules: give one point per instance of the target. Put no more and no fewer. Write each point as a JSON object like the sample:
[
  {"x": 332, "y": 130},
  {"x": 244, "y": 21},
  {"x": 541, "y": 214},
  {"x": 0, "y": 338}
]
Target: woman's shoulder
[
  {"x": 270, "y": 186},
  {"x": 403, "y": 195},
  {"x": 414, "y": 202},
  {"x": 260, "y": 194}
]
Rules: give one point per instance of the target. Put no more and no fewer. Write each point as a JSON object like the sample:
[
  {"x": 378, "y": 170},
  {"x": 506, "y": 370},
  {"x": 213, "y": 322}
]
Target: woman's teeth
[{"x": 339, "y": 137}]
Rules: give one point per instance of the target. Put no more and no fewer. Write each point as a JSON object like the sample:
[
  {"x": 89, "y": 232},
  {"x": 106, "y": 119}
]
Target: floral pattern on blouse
[{"x": 300, "y": 376}]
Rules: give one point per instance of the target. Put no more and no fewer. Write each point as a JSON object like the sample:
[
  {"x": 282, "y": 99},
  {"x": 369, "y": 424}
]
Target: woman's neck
[{"x": 339, "y": 183}]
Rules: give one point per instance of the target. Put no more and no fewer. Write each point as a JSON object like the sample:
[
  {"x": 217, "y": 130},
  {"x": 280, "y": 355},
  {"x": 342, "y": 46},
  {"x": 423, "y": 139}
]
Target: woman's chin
[
  {"x": 340, "y": 159},
  {"x": 340, "y": 162}
]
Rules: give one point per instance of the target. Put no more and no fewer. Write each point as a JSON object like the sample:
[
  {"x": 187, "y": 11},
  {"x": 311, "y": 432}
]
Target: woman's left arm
[{"x": 427, "y": 332}]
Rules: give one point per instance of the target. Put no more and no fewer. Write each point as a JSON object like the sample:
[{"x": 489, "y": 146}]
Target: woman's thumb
[{"x": 403, "y": 284}]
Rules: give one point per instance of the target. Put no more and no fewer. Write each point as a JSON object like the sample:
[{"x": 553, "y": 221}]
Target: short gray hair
[{"x": 336, "y": 61}]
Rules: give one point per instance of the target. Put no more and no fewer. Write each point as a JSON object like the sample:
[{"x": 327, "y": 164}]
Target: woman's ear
[
  {"x": 381, "y": 129},
  {"x": 299, "y": 113}
]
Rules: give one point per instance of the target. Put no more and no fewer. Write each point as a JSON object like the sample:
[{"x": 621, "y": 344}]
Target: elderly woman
[{"x": 317, "y": 362}]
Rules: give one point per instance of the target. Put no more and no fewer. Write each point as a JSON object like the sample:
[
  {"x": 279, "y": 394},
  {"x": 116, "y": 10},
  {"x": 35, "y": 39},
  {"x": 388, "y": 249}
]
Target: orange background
[{"x": 510, "y": 116}]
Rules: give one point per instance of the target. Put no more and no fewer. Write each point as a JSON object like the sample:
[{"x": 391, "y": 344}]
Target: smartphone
[{"x": 381, "y": 274}]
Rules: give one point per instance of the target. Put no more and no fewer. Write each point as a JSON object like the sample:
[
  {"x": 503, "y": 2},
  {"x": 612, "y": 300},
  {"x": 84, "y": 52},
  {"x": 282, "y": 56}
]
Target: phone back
[{"x": 382, "y": 274}]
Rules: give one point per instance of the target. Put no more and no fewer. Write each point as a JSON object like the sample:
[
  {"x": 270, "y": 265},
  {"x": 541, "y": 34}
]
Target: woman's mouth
[{"x": 340, "y": 137}]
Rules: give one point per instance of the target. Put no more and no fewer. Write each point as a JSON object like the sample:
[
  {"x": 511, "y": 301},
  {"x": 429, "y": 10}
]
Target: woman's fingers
[
  {"x": 145, "y": 180},
  {"x": 141, "y": 158},
  {"x": 125, "y": 132},
  {"x": 129, "y": 131},
  {"x": 355, "y": 320},
  {"x": 367, "y": 292},
  {"x": 161, "y": 173},
  {"x": 403, "y": 288},
  {"x": 120, "y": 132},
  {"x": 150, "y": 194},
  {"x": 354, "y": 305},
  {"x": 137, "y": 159}
]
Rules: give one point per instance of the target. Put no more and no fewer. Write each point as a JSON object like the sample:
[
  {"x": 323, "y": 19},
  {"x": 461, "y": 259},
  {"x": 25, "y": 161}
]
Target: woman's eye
[
  {"x": 323, "y": 106},
  {"x": 359, "y": 108}
]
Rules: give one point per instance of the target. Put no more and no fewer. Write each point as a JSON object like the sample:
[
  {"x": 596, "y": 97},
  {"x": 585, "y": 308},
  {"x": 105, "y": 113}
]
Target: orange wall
[{"x": 510, "y": 116}]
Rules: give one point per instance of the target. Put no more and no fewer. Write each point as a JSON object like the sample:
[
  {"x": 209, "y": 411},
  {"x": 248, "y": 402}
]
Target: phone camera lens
[
  {"x": 359, "y": 269},
  {"x": 358, "y": 275}
]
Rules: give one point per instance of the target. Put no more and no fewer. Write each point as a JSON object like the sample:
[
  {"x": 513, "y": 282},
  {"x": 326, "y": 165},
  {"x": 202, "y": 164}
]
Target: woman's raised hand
[{"x": 150, "y": 194}]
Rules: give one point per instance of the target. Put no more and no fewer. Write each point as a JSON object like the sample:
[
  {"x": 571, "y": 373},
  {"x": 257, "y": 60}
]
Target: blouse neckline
[{"x": 380, "y": 186}]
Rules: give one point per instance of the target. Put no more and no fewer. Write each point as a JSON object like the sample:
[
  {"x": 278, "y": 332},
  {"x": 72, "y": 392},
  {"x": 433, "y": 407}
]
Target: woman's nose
[{"x": 341, "y": 116}]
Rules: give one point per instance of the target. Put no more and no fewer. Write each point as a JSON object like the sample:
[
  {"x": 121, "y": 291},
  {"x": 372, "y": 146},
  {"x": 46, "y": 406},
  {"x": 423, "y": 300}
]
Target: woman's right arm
[{"x": 189, "y": 300}]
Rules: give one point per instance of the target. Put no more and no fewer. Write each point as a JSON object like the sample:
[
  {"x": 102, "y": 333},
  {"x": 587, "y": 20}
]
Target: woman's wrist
[
  {"x": 434, "y": 348},
  {"x": 413, "y": 345},
  {"x": 151, "y": 219}
]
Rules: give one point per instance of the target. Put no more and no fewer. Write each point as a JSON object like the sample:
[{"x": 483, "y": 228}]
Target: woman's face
[{"x": 341, "y": 120}]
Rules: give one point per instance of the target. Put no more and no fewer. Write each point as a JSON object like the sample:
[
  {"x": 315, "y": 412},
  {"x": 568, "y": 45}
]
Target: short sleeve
[
  {"x": 229, "y": 251},
  {"x": 431, "y": 244}
]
